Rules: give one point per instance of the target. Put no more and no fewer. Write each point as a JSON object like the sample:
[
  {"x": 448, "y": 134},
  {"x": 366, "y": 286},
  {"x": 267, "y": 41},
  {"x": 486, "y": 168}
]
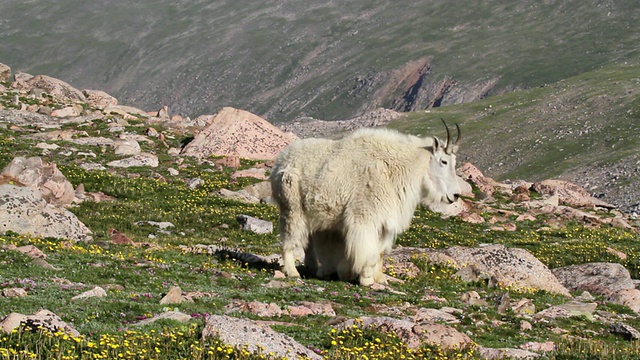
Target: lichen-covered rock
[
  {"x": 510, "y": 267},
  {"x": 255, "y": 336},
  {"x": 24, "y": 211},
  {"x": 56, "y": 88}
]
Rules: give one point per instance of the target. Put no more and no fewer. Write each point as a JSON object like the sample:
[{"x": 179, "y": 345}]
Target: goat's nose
[{"x": 456, "y": 196}]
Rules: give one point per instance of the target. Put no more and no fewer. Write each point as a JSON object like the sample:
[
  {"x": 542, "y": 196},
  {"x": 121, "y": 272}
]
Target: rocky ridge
[{"x": 41, "y": 108}]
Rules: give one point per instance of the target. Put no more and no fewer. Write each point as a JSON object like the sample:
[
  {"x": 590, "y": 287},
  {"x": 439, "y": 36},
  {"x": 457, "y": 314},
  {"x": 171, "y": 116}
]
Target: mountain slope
[
  {"x": 287, "y": 59},
  {"x": 585, "y": 129}
]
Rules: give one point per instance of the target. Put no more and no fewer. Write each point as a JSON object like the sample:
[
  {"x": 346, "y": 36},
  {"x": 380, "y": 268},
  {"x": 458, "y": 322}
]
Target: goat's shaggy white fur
[{"x": 344, "y": 201}]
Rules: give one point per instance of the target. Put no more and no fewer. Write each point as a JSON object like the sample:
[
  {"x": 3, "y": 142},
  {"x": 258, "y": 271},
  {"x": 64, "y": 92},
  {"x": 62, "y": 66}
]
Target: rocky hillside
[
  {"x": 133, "y": 233},
  {"x": 331, "y": 60}
]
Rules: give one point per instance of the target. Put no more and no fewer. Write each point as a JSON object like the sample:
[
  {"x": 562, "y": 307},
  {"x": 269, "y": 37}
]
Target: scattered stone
[
  {"x": 46, "y": 177},
  {"x": 434, "y": 315},
  {"x": 255, "y": 225},
  {"x": 127, "y": 147},
  {"x": 525, "y": 325},
  {"x": 505, "y": 353},
  {"x": 241, "y": 196},
  {"x": 163, "y": 225},
  {"x": 167, "y": 315},
  {"x": 412, "y": 334},
  {"x": 473, "y": 298},
  {"x": 142, "y": 159},
  {"x": 95, "y": 292},
  {"x": 119, "y": 238},
  {"x": 547, "y": 346},
  {"x": 68, "y": 111},
  {"x": 256, "y": 337},
  {"x": 42, "y": 318},
  {"x": 260, "y": 174},
  {"x": 598, "y": 278},
  {"x": 627, "y": 332},
  {"x": 568, "y": 193},
  {"x": 524, "y": 307},
  {"x": 173, "y": 296},
  {"x": 99, "y": 99},
  {"x": 14, "y": 292}
]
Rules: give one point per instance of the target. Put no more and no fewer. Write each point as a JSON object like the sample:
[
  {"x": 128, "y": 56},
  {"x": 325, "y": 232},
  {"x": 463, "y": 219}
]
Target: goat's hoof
[{"x": 368, "y": 281}]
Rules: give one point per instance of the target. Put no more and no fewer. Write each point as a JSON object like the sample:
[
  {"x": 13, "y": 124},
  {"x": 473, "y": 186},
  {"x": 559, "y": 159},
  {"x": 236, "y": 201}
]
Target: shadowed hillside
[{"x": 330, "y": 60}]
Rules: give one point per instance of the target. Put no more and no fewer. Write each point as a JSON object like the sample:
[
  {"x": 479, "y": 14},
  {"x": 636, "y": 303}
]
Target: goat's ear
[{"x": 436, "y": 145}]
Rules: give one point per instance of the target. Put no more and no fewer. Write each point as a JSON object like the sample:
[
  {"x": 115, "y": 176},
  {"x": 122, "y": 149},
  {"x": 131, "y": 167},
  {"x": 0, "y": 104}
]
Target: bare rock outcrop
[
  {"x": 568, "y": 193},
  {"x": 255, "y": 336},
  {"x": 99, "y": 99},
  {"x": 5, "y": 73},
  {"x": 56, "y": 88},
  {"x": 238, "y": 132},
  {"x": 45, "y": 177},
  {"x": 597, "y": 278},
  {"x": 508, "y": 267}
]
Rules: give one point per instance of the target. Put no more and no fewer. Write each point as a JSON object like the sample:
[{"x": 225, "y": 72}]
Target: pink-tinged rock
[
  {"x": 471, "y": 217},
  {"x": 471, "y": 173},
  {"x": 568, "y": 193},
  {"x": 56, "y": 88},
  {"x": 278, "y": 275},
  {"x": 240, "y": 133},
  {"x": 31, "y": 251},
  {"x": 412, "y": 334},
  {"x": 99, "y": 99},
  {"x": 264, "y": 310},
  {"x": 526, "y": 217},
  {"x": 627, "y": 297},
  {"x": 260, "y": 174},
  {"x": 546, "y": 346},
  {"x": 124, "y": 111},
  {"x": 5, "y": 73},
  {"x": 311, "y": 308}
]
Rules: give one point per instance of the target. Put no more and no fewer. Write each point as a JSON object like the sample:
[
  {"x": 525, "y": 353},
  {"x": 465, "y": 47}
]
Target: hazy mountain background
[
  {"x": 546, "y": 88},
  {"x": 324, "y": 59}
]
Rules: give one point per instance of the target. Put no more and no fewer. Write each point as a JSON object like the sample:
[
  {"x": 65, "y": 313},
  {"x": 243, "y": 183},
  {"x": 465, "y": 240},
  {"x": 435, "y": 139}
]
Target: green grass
[{"x": 136, "y": 278}]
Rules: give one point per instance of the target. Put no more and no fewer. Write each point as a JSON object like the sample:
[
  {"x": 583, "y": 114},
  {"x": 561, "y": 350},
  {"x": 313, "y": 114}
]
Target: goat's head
[{"x": 441, "y": 182}]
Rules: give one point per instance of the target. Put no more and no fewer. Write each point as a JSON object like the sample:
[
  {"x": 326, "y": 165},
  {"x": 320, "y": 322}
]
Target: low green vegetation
[{"x": 137, "y": 277}]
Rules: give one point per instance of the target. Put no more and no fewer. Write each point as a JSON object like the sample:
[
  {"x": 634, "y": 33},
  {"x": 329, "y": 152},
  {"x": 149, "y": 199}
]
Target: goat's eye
[{"x": 444, "y": 162}]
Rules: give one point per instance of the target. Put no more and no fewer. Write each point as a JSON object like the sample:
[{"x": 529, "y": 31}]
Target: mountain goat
[{"x": 344, "y": 201}]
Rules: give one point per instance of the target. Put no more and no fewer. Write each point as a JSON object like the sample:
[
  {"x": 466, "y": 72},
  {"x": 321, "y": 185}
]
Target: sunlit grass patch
[
  {"x": 183, "y": 342},
  {"x": 363, "y": 343}
]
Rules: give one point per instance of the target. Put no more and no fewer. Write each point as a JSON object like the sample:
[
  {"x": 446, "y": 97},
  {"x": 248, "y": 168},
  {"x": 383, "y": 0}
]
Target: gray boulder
[
  {"x": 256, "y": 336},
  {"x": 24, "y": 211}
]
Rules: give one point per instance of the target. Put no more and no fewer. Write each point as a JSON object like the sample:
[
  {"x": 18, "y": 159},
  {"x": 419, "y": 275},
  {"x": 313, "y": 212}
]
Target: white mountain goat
[{"x": 344, "y": 201}]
